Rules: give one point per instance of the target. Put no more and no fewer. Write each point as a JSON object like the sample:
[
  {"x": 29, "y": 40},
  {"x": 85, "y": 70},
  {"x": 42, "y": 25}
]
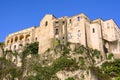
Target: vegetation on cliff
[{"x": 60, "y": 58}]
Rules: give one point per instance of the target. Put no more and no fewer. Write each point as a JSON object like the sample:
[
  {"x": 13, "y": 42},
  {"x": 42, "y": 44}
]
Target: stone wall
[
  {"x": 17, "y": 40},
  {"x": 96, "y": 34}
]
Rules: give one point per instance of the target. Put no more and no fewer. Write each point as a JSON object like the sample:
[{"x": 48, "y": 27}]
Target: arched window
[
  {"x": 10, "y": 47},
  {"x": 46, "y": 23},
  {"x": 21, "y": 37},
  {"x": 69, "y": 35},
  {"x": 63, "y": 22},
  {"x": 56, "y": 31},
  {"x": 36, "y": 38},
  {"x": 79, "y": 33},
  {"x": 14, "y": 47},
  {"x": 27, "y": 37},
  {"x": 93, "y": 30},
  {"x": 11, "y": 40},
  {"x": 16, "y": 39},
  {"x": 20, "y": 45},
  {"x": 108, "y": 25},
  {"x": 56, "y": 23},
  {"x": 7, "y": 42},
  {"x": 70, "y": 21},
  {"x": 78, "y": 18}
]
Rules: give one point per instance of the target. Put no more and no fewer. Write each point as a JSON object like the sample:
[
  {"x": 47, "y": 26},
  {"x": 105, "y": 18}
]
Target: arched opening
[
  {"x": 56, "y": 32},
  {"x": 46, "y": 23},
  {"x": 70, "y": 21},
  {"x": 78, "y": 18},
  {"x": 93, "y": 30},
  {"x": 63, "y": 22},
  {"x": 14, "y": 47},
  {"x": 21, "y": 37},
  {"x": 11, "y": 40},
  {"x": 27, "y": 37},
  {"x": 7, "y": 42},
  {"x": 20, "y": 45},
  {"x": 79, "y": 33},
  {"x": 36, "y": 39},
  {"x": 56, "y": 23},
  {"x": 16, "y": 39},
  {"x": 69, "y": 35},
  {"x": 108, "y": 25},
  {"x": 10, "y": 47}
]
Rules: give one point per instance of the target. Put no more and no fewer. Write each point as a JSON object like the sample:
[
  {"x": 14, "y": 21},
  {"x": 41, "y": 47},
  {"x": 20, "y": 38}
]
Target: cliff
[{"x": 63, "y": 62}]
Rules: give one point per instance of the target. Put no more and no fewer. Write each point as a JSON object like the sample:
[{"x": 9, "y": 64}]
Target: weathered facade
[
  {"x": 17, "y": 40},
  {"x": 97, "y": 34}
]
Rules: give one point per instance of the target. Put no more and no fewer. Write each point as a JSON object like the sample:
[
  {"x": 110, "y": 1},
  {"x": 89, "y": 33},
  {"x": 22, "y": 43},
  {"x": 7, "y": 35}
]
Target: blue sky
[{"x": 17, "y": 15}]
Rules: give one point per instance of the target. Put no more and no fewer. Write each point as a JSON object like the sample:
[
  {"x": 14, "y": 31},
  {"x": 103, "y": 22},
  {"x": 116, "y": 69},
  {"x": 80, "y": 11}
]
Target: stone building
[
  {"x": 97, "y": 34},
  {"x": 16, "y": 41}
]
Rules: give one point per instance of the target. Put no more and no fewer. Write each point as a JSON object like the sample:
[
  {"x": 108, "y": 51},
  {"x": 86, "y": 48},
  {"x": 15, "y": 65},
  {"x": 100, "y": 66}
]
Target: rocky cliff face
[
  {"x": 59, "y": 63},
  {"x": 1, "y": 52},
  {"x": 1, "y": 48}
]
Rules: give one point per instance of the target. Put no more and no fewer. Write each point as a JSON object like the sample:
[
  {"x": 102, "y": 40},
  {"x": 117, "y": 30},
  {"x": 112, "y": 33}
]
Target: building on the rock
[
  {"x": 97, "y": 34},
  {"x": 16, "y": 41}
]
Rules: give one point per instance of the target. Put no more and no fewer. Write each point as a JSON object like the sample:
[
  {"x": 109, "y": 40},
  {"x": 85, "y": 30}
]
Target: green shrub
[
  {"x": 100, "y": 75},
  {"x": 68, "y": 44},
  {"x": 80, "y": 49},
  {"x": 30, "y": 49},
  {"x": 66, "y": 50},
  {"x": 63, "y": 63},
  {"x": 112, "y": 68},
  {"x": 81, "y": 61},
  {"x": 70, "y": 78},
  {"x": 117, "y": 78},
  {"x": 48, "y": 72},
  {"x": 96, "y": 53},
  {"x": 110, "y": 56},
  {"x": 15, "y": 72},
  {"x": 1, "y": 44}
]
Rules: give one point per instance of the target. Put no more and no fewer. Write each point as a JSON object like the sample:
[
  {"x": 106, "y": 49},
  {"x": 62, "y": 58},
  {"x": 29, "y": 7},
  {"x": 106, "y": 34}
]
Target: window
[
  {"x": 78, "y": 18},
  {"x": 56, "y": 23},
  {"x": 70, "y": 21},
  {"x": 69, "y": 35},
  {"x": 56, "y": 31},
  {"x": 20, "y": 45},
  {"x": 79, "y": 33},
  {"x": 63, "y": 22},
  {"x": 10, "y": 46},
  {"x": 14, "y": 47},
  {"x": 12, "y": 40},
  {"x": 93, "y": 30},
  {"x": 7, "y": 42},
  {"x": 46, "y": 23},
  {"x": 16, "y": 39},
  {"x": 36, "y": 38},
  {"x": 21, "y": 37},
  {"x": 108, "y": 25},
  {"x": 28, "y": 40}
]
